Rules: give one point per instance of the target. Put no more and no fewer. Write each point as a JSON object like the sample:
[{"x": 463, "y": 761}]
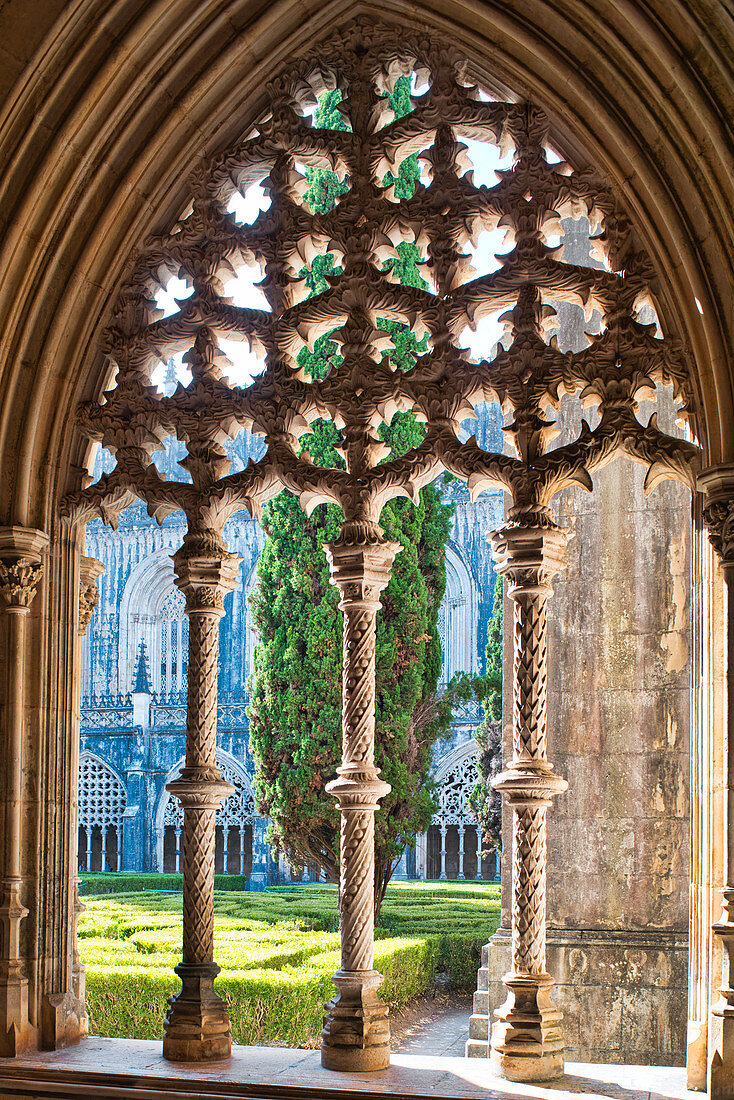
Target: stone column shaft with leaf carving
[
  {"x": 197, "y": 1026},
  {"x": 527, "y": 1039},
  {"x": 356, "y": 1032}
]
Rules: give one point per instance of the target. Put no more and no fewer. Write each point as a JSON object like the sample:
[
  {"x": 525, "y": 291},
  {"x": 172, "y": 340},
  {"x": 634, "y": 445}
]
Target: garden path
[{"x": 436, "y": 1027}]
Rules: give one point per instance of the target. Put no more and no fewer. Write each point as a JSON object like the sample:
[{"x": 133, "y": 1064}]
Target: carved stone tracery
[{"x": 528, "y": 376}]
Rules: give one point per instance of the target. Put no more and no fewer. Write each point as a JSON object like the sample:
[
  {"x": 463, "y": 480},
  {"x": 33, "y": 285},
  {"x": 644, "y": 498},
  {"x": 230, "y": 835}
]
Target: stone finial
[{"x": 141, "y": 683}]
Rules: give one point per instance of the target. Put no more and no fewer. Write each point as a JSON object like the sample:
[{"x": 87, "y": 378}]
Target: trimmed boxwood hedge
[
  {"x": 112, "y": 882},
  {"x": 278, "y": 951}
]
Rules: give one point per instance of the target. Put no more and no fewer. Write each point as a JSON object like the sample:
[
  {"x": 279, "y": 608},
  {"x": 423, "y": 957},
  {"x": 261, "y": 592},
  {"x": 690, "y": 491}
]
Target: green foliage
[
  {"x": 295, "y": 688},
  {"x": 276, "y": 970},
  {"x": 409, "y": 173},
  {"x": 484, "y": 800}
]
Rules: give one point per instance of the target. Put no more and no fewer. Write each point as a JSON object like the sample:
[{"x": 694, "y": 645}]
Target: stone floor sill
[{"x": 134, "y": 1068}]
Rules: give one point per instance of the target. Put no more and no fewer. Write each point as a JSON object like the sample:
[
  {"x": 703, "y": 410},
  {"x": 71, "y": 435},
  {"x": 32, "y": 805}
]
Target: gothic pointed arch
[
  {"x": 650, "y": 97},
  {"x": 152, "y": 610},
  {"x": 102, "y": 799},
  {"x": 455, "y": 776},
  {"x": 458, "y": 616},
  {"x": 237, "y": 811}
]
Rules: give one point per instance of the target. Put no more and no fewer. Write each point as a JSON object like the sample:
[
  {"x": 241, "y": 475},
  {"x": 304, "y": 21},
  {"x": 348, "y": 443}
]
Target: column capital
[
  {"x": 717, "y": 482},
  {"x": 360, "y": 560},
  {"x": 90, "y": 569},
  {"x": 529, "y": 556},
  {"x": 22, "y": 550},
  {"x": 205, "y": 572}
]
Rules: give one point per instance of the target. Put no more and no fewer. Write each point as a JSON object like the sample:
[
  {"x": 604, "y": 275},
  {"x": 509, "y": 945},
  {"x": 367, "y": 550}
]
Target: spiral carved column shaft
[
  {"x": 197, "y": 1027},
  {"x": 527, "y": 1039},
  {"x": 356, "y": 1033}
]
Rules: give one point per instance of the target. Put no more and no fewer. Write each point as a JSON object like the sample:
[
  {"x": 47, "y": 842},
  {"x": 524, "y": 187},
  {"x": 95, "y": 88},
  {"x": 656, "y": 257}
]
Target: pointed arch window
[{"x": 102, "y": 802}]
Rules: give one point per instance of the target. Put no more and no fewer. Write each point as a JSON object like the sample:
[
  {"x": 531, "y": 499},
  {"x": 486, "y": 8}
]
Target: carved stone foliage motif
[
  {"x": 719, "y": 519},
  {"x": 527, "y": 374},
  {"x": 19, "y": 581}
]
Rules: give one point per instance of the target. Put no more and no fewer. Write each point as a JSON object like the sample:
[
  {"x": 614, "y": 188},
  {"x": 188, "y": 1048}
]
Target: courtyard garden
[{"x": 277, "y": 951}]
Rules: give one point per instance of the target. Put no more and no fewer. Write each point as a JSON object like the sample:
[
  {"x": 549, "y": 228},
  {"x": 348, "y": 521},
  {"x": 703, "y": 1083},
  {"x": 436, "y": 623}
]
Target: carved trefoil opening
[{"x": 515, "y": 292}]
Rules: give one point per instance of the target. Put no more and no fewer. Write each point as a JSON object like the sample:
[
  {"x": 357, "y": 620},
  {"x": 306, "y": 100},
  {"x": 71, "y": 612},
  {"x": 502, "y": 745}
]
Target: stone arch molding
[
  {"x": 238, "y": 809},
  {"x": 442, "y": 216},
  {"x": 93, "y": 160}
]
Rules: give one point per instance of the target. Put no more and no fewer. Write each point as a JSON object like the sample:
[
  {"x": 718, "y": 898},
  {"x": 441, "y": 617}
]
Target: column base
[
  {"x": 527, "y": 1038},
  {"x": 197, "y": 1028},
  {"x": 16, "y": 1032},
  {"x": 356, "y": 1035}
]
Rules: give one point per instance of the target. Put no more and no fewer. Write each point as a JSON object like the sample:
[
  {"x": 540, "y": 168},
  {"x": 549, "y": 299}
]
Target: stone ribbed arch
[
  {"x": 148, "y": 585},
  {"x": 93, "y": 159},
  {"x": 607, "y": 77}
]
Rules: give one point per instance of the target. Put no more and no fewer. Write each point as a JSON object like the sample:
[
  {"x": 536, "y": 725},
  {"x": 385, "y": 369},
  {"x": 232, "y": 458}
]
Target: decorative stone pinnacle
[{"x": 141, "y": 683}]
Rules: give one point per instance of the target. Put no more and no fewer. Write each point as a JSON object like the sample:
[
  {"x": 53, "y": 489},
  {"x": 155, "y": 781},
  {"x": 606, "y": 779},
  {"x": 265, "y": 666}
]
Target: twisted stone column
[
  {"x": 20, "y": 575},
  {"x": 527, "y": 1039},
  {"x": 356, "y": 1033},
  {"x": 719, "y": 519},
  {"x": 197, "y": 1027}
]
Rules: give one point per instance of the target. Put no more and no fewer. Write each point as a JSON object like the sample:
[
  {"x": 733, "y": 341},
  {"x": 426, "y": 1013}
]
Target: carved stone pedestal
[
  {"x": 356, "y": 1033},
  {"x": 198, "y": 1027}
]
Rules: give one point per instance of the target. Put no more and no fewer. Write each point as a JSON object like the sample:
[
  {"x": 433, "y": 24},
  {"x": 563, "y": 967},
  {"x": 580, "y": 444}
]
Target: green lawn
[{"x": 277, "y": 951}]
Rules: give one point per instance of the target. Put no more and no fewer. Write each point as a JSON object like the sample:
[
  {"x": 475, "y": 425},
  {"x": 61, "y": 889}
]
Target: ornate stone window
[
  {"x": 511, "y": 292},
  {"x": 457, "y": 618},
  {"x": 173, "y": 633},
  {"x": 102, "y": 801},
  {"x": 233, "y": 834},
  {"x": 454, "y": 840}
]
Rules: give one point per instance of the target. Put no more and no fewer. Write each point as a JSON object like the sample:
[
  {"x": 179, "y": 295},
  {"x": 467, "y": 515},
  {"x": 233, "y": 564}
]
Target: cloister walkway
[{"x": 119, "y": 1069}]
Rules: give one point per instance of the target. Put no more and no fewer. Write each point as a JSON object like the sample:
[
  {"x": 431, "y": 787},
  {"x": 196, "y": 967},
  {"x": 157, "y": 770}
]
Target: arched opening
[
  {"x": 233, "y": 845},
  {"x": 605, "y": 123}
]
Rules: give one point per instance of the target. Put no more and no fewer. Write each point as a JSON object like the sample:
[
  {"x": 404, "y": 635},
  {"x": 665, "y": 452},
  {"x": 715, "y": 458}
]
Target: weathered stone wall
[
  {"x": 619, "y": 683},
  {"x": 619, "y": 722}
]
